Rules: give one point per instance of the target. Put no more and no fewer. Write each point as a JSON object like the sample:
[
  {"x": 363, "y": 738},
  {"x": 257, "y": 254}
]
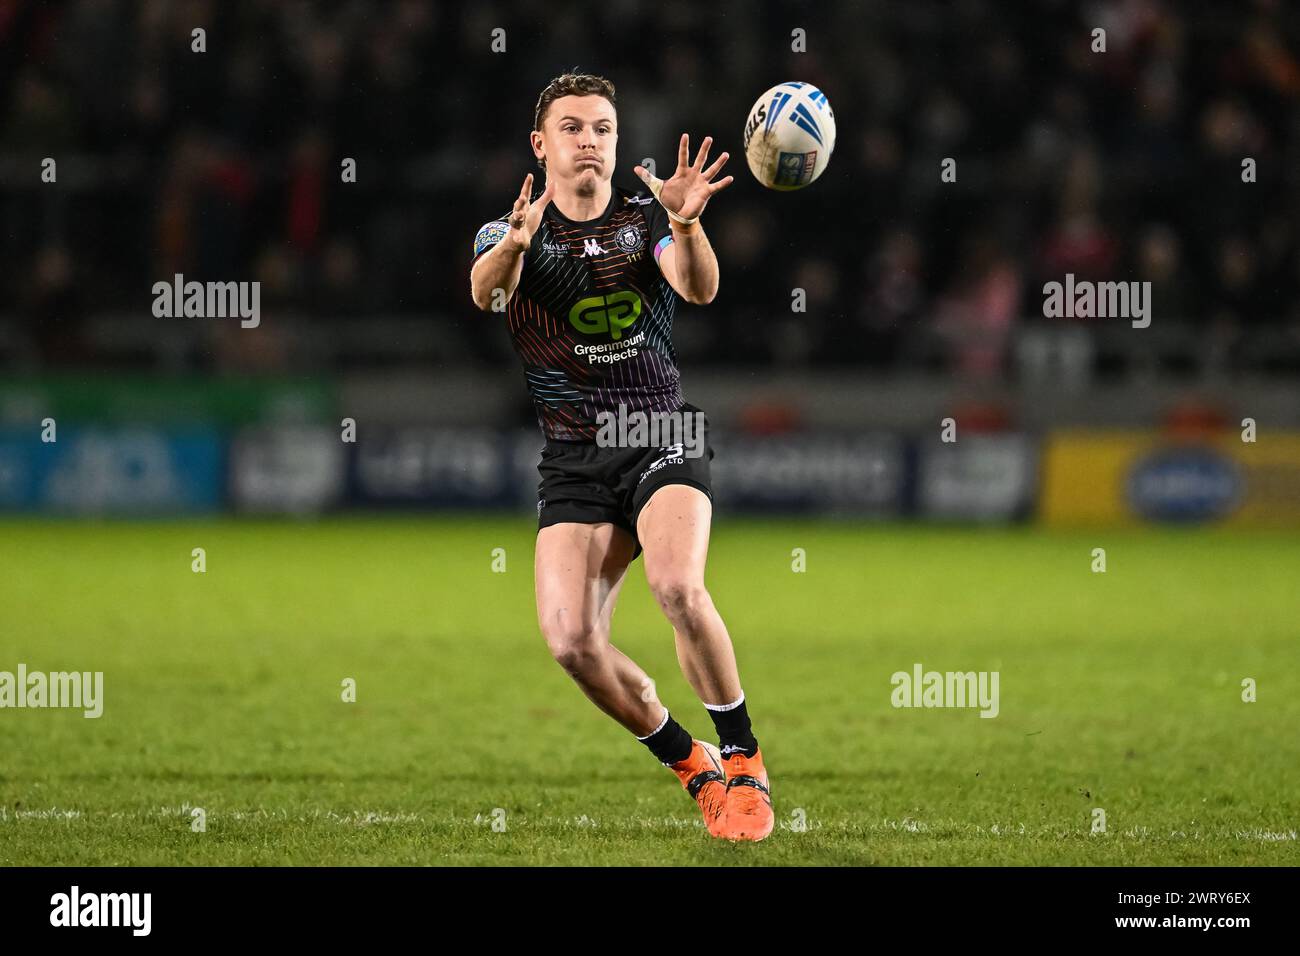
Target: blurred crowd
[{"x": 225, "y": 165}]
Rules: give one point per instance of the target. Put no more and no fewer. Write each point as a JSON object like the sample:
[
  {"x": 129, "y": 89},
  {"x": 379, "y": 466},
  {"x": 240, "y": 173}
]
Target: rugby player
[{"x": 589, "y": 275}]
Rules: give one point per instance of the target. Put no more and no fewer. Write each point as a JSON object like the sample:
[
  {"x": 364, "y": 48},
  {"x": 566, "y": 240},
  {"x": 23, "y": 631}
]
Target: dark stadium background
[{"x": 224, "y": 165}]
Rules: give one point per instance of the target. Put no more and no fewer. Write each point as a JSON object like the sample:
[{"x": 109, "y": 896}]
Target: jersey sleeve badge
[{"x": 490, "y": 235}]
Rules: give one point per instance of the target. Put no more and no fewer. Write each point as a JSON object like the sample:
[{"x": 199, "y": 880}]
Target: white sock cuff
[
  {"x": 732, "y": 706},
  {"x": 663, "y": 723}
]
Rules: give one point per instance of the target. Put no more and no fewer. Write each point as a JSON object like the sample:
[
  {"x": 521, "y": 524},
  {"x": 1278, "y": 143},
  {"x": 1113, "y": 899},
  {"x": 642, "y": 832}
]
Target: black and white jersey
[{"x": 592, "y": 317}]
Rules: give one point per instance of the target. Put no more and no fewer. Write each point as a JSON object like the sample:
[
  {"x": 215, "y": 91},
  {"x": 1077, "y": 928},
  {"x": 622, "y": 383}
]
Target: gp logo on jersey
[{"x": 610, "y": 313}]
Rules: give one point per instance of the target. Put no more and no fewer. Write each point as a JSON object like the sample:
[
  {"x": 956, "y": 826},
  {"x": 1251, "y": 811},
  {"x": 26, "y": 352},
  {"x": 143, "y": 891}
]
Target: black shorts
[{"x": 583, "y": 482}]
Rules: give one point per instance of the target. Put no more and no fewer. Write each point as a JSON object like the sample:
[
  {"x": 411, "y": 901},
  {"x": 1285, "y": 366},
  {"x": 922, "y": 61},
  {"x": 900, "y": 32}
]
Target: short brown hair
[{"x": 571, "y": 84}]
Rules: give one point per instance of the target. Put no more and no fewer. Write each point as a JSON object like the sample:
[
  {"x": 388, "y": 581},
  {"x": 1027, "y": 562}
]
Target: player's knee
[
  {"x": 682, "y": 599},
  {"x": 577, "y": 657},
  {"x": 574, "y": 645}
]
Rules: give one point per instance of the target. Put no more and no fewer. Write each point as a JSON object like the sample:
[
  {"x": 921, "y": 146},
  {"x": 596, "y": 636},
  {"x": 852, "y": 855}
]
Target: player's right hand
[{"x": 526, "y": 217}]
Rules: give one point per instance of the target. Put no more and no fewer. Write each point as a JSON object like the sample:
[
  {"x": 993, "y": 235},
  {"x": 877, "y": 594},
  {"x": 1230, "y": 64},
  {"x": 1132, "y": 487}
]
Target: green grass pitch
[{"x": 1120, "y": 691}]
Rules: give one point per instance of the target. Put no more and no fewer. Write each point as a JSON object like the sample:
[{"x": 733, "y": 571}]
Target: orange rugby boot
[
  {"x": 749, "y": 799},
  {"x": 701, "y": 774}
]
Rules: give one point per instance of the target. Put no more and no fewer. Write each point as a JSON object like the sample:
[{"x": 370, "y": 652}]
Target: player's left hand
[{"x": 690, "y": 188}]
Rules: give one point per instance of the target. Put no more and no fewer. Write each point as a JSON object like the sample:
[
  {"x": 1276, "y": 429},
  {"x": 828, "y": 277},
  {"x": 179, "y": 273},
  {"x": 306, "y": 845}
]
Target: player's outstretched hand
[
  {"x": 690, "y": 187},
  {"x": 526, "y": 217}
]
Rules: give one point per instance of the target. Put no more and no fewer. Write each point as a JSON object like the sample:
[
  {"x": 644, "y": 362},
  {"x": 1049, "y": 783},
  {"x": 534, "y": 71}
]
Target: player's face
[{"x": 578, "y": 139}]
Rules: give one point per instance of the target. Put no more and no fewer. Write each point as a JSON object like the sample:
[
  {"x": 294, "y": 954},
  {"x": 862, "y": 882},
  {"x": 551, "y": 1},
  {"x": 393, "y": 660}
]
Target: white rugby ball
[{"x": 789, "y": 136}]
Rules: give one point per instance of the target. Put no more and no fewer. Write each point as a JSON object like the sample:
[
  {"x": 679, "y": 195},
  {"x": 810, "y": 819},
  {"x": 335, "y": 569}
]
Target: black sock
[
  {"x": 670, "y": 743},
  {"x": 733, "y": 730}
]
